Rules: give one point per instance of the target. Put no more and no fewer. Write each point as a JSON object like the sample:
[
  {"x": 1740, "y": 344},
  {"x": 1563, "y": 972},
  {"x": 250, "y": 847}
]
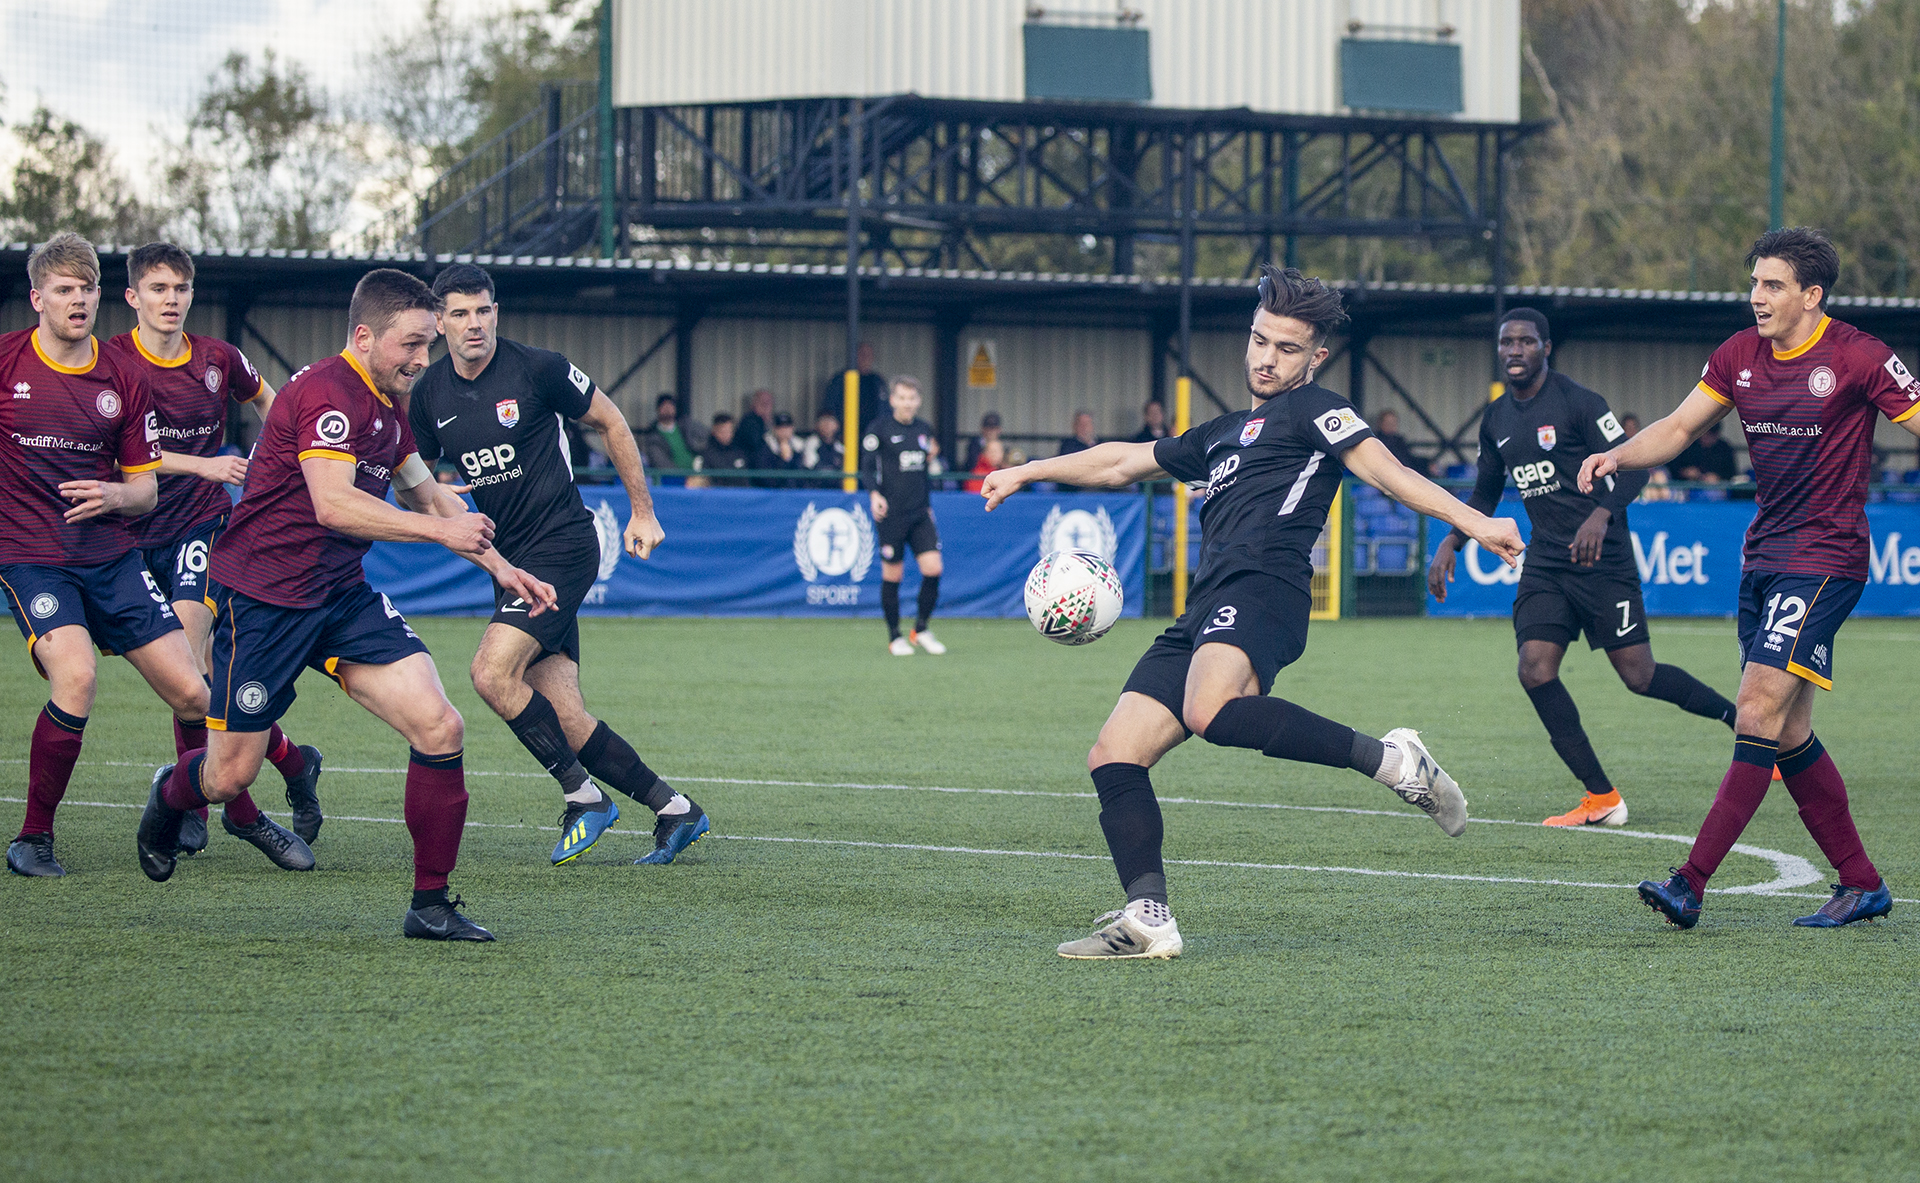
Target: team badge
[
  {"x": 251, "y": 697},
  {"x": 508, "y": 410},
  {"x": 1821, "y": 381},
  {"x": 1251, "y": 431},
  {"x": 109, "y": 404},
  {"x": 212, "y": 380},
  {"x": 44, "y": 605},
  {"x": 332, "y": 427},
  {"x": 1546, "y": 437}
]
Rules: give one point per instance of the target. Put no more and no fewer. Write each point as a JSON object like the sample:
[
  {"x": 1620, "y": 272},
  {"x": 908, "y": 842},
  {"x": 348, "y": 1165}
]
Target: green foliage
[{"x": 65, "y": 179}]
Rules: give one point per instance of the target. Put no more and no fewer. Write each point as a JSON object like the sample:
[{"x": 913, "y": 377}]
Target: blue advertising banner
[
  {"x": 795, "y": 552},
  {"x": 1689, "y": 558}
]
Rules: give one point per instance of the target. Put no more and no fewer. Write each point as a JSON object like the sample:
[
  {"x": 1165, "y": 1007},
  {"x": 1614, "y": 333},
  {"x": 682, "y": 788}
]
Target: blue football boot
[
  {"x": 671, "y": 835},
  {"x": 1850, "y": 905},
  {"x": 581, "y": 826},
  {"x": 1673, "y": 899}
]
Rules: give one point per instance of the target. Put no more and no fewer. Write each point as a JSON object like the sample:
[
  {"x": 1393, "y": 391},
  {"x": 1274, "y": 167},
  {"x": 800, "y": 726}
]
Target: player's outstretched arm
[
  {"x": 339, "y": 505},
  {"x": 1371, "y": 462},
  {"x": 128, "y": 499},
  {"x": 225, "y": 470},
  {"x": 420, "y": 493},
  {"x": 1103, "y": 466},
  {"x": 1659, "y": 441},
  {"x": 643, "y": 529}
]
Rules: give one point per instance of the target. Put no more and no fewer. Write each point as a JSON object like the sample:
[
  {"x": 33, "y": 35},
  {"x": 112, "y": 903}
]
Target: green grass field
[{"x": 855, "y": 978}]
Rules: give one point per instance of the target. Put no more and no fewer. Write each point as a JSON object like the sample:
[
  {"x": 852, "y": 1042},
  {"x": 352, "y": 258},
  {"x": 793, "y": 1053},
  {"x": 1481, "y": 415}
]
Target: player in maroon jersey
[
  {"x": 292, "y": 593},
  {"x": 76, "y": 413},
  {"x": 191, "y": 379},
  {"x": 1807, "y": 388}
]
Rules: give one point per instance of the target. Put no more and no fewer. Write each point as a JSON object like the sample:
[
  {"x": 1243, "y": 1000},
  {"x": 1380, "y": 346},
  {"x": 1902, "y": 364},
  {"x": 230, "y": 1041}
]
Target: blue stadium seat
[{"x": 1392, "y": 556}]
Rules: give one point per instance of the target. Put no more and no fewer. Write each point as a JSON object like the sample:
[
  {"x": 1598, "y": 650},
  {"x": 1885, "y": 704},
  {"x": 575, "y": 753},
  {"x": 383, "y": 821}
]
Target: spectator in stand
[
  {"x": 1709, "y": 458},
  {"x": 989, "y": 433},
  {"x": 1082, "y": 437},
  {"x": 1386, "y": 427},
  {"x": 665, "y": 445},
  {"x": 446, "y": 476},
  {"x": 824, "y": 450},
  {"x": 1630, "y": 424},
  {"x": 873, "y": 388},
  {"x": 779, "y": 451},
  {"x": 1153, "y": 425},
  {"x": 756, "y": 426},
  {"x": 723, "y": 452},
  {"x": 992, "y": 456}
]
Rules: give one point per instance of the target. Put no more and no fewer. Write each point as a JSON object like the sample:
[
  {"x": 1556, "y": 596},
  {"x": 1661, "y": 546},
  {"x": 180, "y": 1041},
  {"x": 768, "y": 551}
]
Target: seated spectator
[
  {"x": 989, "y": 433},
  {"x": 824, "y": 451},
  {"x": 1630, "y": 423},
  {"x": 1708, "y": 458},
  {"x": 664, "y": 444},
  {"x": 1153, "y": 424},
  {"x": 723, "y": 452},
  {"x": 993, "y": 456},
  {"x": 1386, "y": 427},
  {"x": 779, "y": 451},
  {"x": 757, "y": 423},
  {"x": 1082, "y": 437}
]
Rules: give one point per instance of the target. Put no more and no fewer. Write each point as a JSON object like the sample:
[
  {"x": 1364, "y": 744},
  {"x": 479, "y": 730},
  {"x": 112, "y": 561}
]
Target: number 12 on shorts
[{"x": 1794, "y": 608}]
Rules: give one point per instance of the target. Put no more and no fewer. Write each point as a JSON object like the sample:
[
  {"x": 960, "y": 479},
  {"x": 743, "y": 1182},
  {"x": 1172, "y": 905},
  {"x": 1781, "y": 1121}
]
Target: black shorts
[
  {"x": 1789, "y": 621},
  {"x": 180, "y": 568},
  {"x": 1558, "y": 604},
  {"x": 1263, "y": 617},
  {"x": 118, "y": 603},
  {"x": 259, "y": 649},
  {"x": 916, "y": 531},
  {"x": 572, "y": 571}
]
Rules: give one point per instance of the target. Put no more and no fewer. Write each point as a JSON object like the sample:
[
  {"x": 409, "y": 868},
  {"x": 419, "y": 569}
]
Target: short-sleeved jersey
[
  {"x": 274, "y": 547},
  {"x": 1809, "y": 417},
  {"x": 190, "y": 396},
  {"x": 67, "y": 423},
  {"x": 1540, "y": 444},
  {"x": 893, "y": 460},
  {"x": 505, "y": 430},
  {"x": 1271, "y": 476}
]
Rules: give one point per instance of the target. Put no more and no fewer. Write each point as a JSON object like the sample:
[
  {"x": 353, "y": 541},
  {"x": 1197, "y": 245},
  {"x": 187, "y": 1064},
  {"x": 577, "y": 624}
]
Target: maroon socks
[
  {"x": 436, "y": 813},
  {"x": 289, "y": 760},
  {"x": 1822, "y": 797},
  {"x": 50, "y": 760},
  {"x": 1741, "y": 792}
]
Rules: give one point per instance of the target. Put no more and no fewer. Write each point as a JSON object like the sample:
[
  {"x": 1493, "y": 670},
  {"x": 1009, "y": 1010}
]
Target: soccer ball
[{"x": 1073, "y": 597}]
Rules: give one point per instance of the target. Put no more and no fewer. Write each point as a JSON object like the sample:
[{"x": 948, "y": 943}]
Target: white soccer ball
[{"x": 1073, "y": 597}]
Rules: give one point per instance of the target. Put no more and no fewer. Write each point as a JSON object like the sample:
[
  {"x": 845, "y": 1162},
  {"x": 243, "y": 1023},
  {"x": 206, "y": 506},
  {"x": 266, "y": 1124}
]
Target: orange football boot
[{"x": 1594, "y": 810}]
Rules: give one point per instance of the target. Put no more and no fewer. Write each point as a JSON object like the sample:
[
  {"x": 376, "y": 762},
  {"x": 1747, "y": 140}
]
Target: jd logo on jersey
[
  {"x": 1546, "y": 438},
  {"x": 508, "y": 409}
]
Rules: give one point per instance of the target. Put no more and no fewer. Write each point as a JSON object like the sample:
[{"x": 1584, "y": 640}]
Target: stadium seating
[{"x": 1386, "y": 535}]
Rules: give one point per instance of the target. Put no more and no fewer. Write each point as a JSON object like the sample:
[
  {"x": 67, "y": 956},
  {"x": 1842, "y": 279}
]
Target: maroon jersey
[
  {"x": 274, "y": 548},
  {"x": 65, "y": 423},
  {"x": 1809, "y": 416},
  {"x": 190, "y": 395}
]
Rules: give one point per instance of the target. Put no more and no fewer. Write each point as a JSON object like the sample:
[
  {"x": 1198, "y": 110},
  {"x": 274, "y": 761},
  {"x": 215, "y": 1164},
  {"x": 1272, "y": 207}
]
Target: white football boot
[
  {"x": 1426, "y": 785},
  {"x": 900, "y": 647},
  {"x": 926, "y": 640},
  {"x": 1128, "y": 936}
]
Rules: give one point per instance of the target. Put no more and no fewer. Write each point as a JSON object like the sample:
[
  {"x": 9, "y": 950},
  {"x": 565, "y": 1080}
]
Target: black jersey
[
  {"x": 893, "y": 459},
  {"x": 1540, "y": 444},
  {"x": 505, "y": 431},
  {"x": 1271, "y": 475}
]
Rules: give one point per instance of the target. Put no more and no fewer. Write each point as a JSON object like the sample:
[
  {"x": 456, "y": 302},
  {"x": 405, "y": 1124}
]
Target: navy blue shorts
[
  {"x": 181, "y": 568},
  {"x": 259, "y": 649},
  {"x": 1788, "y": 621},
  {"x": 118, "y": 603},
  {"x": 1261, "y": 616}
]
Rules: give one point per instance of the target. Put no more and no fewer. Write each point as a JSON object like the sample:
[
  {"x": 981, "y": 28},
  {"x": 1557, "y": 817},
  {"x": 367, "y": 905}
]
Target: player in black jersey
[
  {"x": 1271, "y": 474},
  {"x": 495, "y": 407},
  {"x": 894, "y": 452},
  {"x": 1580, "y": 573}
]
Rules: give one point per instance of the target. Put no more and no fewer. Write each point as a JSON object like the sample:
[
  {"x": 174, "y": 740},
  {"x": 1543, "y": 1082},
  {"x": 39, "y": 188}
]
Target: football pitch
[{"x": 854, "y": 977}]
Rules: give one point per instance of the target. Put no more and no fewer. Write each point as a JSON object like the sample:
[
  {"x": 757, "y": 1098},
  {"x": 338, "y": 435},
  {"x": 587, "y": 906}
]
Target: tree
[
  {"x": 65, "y": 179},
  {"x": 266, "y": 162}
]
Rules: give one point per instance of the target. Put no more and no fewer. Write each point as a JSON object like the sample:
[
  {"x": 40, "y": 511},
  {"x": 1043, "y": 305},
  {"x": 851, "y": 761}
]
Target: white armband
[{"x": 412, "y": 473}]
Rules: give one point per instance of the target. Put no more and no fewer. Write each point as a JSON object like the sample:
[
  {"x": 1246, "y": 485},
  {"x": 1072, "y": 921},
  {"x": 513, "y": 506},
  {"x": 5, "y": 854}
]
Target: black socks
[
  {"x": 1672, "y": 684},
  {"x": 537, "y": 728},
  {"x": 1289, "y": 732},
  {"x": 890, "y": 607},
  {"x": 1555, "y": 708},
  {"x": 612, "y": 761},
  {"x": 929, "y": 596},
  {"x": 1130, "y": 818}
]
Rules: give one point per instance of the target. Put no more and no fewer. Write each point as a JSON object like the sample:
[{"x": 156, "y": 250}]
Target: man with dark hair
[
  {"x": 665, "y": 444},
  {"x": 192, "y": 378},
  {"x": 873, "y": 388},
  {"x": 1807, "y": 388},
  {"x": 293, "y": 594},
  {"x": 1709, "y": 458},
  {"x": 724, "y": 452},
  {"x": 1580, "y": 572},
  {"x": 894, "y": 454},
  {"x": 824, "y": 450},
  {"x": 1271, "y": 472},
  {"x": 495, "y": 406},
  {"x": 79, "y": 445},
  {"x": 1153, "y": 423}
]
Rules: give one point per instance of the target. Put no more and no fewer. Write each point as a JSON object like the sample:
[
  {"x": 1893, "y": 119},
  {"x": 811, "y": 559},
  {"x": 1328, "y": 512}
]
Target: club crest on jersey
[
  {"x": 1821, "y": 381},
  {"x": 1251, "y": 431},
  {"x": 109, "y": 404},
  {"x": 212, "y": 380},
  {"x": 508, "y": 409},
  {"x": 1546, "y": 437}
]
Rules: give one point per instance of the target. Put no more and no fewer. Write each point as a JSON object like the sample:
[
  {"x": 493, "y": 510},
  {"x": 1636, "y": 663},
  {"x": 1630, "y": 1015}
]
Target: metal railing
[{"x": 531, "y": 190}]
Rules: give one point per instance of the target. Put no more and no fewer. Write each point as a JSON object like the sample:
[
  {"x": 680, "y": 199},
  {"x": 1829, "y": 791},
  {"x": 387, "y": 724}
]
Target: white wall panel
[
  {"x": 1046, "y": 374},
  {"x": 794, "y": 359}
]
